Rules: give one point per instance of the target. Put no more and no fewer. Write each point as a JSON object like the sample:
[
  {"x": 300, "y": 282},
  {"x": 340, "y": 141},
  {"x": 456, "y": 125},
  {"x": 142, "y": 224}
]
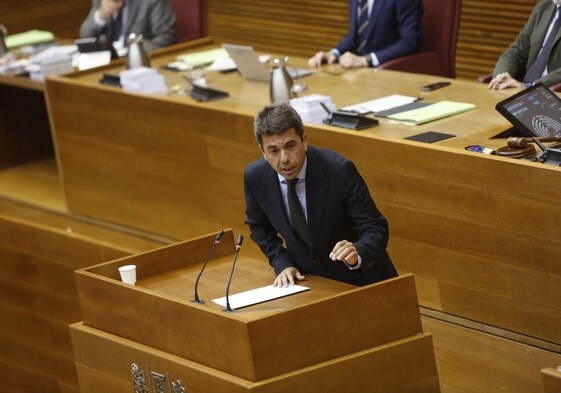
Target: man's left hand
[{"x": 344, "y": 251}]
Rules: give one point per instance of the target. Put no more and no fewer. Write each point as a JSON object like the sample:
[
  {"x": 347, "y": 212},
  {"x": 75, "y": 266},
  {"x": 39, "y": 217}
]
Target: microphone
[
  {"x": 238, "y": 246},
  {"x": 217, "y": 240}
]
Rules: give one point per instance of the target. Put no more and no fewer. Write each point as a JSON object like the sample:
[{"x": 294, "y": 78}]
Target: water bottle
[
  {"x": 280, "y": 87},
  {"x": 136, "y": 55}
]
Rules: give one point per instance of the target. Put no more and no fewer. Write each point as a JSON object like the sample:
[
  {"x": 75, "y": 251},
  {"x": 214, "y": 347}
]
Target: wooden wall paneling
[
  {"x": 303, "y": 27},
  {"x": 39, "y": 252},
  {"x": 470, "y": 361},
  {"x": 61, "y": 17}
]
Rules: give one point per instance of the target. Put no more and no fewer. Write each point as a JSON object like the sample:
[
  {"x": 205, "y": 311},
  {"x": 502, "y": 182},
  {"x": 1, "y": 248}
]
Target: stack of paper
[
  {"x": 380, "y": 104},
  {"x": 432, "y": 112},
  {"x": 143, "y": 80},
  {"x": 310, "y": 109},
  {"x": 51, "y": 61},
  {"x": 32, "y": 37},
  {"x": 204, "y": 58}
]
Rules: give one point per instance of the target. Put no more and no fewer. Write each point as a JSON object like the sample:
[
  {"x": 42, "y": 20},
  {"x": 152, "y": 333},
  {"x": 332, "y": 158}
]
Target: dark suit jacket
[
  {"x": 339, "y": 207},
  {"x": 394, "y": 29},
  {"x": 154, "y": 19},
  {"x": 527, "y": 45}
]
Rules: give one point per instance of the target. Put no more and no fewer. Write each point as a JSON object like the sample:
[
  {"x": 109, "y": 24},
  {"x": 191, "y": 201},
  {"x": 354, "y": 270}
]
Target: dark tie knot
[{"x": 292, "y": 183}]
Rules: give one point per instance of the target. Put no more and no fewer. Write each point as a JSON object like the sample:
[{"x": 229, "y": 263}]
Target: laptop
[
  {"x": 251, "y": 68},
  {"x": 535, "y": 111}
]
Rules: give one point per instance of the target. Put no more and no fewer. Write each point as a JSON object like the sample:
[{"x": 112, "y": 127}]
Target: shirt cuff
[
  {"x": 355, "y": 266},
  {"x": 336, "y": 53},
  {"x": 99, "y": 22},
  {"x": 375, "y": 61}
]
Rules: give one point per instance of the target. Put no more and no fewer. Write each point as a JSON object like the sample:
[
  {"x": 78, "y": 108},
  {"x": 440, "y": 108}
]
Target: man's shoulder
[
  {"x": 256, "y": 167},
  {"x": 328, "y": 157}
]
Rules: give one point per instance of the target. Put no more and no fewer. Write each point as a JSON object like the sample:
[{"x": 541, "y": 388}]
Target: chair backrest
[
  {"x": 441, "y": 24},
  {"x": 190, "y": 19}
]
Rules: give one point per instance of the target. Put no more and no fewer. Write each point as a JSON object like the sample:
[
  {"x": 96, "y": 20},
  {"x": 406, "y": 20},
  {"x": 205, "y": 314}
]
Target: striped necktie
[
  {"x": 362, "y": 26},
  {"x": 537, "y": 68}
]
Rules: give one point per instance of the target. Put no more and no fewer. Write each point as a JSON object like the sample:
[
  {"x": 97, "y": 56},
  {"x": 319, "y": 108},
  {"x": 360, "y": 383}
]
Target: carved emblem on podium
[
  {"x": 177, "y": 387},
  {"x": 159, "y": 381},
  {"x": 139, "y": 383}
]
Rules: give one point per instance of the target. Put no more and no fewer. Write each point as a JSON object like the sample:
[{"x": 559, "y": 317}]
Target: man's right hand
[
  {"x": 109, "y": 7},
  {"x": 319, "y": 58},
  {"x": 288, "y": 277}
]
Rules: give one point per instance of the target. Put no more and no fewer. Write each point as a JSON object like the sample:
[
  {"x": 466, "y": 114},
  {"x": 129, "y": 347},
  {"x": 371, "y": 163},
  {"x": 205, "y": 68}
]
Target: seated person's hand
[
  {"x": 504, "y": 81},
  {"x": 288, "y": 277},
  {"x": 321, "y": 57},
  {"x": 350, "y": 60},
  {"x": 109, "y": 7}
]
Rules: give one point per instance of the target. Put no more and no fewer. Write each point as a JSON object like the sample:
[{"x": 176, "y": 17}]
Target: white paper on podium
[{"x": 259, "y": 295}]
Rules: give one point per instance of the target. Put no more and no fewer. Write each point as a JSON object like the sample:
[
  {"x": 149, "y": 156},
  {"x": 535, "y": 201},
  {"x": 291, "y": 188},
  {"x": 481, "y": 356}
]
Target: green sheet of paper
[
  {"x": 432, "y": 112},
  {"x": 31, "y": 37},
  {"x": 206, "y": 57}
]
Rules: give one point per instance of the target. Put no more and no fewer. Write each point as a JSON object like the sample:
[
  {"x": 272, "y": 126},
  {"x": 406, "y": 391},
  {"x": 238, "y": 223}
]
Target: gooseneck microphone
[
  {"x": 238, "y": 246},
  {"x": 217, "y": 240}
]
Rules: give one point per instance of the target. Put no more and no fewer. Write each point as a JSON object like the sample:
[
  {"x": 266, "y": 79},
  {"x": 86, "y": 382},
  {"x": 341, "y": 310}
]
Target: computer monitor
[{"x": 535, "y": 111}]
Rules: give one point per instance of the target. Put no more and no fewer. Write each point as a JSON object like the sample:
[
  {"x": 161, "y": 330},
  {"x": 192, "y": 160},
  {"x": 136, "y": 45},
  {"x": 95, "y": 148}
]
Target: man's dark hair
[{"x": 276, "y": 119}]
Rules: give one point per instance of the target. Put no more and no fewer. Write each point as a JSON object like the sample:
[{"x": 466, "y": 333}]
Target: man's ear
[{"x": 305, "y": 141}]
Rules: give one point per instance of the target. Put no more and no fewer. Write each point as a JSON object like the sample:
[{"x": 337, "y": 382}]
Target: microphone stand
[
  {"x": 548, "y": 155},
  {"x": 238, "y": 246},
  {"x": 217, "y": 240}
]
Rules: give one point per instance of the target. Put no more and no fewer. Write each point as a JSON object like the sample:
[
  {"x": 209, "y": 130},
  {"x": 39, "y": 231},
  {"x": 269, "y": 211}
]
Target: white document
[
  {"x": 259, "y": 295},
  {"x": 93, "y": 59},
  {"x": 381, "y": 104}
]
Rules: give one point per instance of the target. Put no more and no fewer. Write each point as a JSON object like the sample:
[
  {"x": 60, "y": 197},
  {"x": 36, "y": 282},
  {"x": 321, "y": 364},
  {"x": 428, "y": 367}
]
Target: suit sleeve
[
  {"x": 369, "y": 223},
  {"x": 264, "y": 234},
  {"x": 349, "y": 41},
  {"x": 88, "y": 27},
  {"x": 409, "y": 17},
  {"x": 515, "y": 59},
  {"x": 162, "y": 24}
]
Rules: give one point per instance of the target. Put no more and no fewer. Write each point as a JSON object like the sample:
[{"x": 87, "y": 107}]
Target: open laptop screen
[{"x": 535, "y": 111}]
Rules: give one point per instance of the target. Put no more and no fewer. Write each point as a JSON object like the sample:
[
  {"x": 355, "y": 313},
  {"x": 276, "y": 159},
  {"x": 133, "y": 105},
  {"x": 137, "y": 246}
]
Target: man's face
[{"x": 285, "y": 152}]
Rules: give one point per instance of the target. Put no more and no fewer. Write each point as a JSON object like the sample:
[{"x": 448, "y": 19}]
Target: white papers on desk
[
  {"x": 143, "y": 80},
  {"x": 259, "y": 295},
  {"x": 310, "y": 109},
  {"x": 93, "y": 59},
  {"x": 228, "y": 64},
  {"x": 381, "y": 104}
]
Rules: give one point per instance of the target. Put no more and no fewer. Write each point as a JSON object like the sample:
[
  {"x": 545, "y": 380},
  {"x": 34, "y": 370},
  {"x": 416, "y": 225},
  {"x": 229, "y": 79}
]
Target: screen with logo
[{"x": 535, "y": 111}]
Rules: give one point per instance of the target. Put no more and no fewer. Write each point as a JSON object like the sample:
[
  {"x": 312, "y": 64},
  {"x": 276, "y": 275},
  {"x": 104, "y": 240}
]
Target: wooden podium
[{"x": 333, "y": 338}]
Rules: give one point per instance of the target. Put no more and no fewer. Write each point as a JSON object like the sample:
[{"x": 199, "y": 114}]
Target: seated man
[
  {"x": 316, "y": 200},
  {"x": 154, "y": 19},
  {"x": 380, "y": 31},
  {"x": 535, "y": 55}
]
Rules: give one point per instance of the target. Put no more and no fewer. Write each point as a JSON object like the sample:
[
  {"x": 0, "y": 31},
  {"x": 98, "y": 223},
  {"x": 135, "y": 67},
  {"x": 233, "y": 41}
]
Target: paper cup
[{"x": 128, "y": 274}]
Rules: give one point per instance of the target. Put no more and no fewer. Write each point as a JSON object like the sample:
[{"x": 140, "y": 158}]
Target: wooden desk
[{"x": 479, "y": 232}]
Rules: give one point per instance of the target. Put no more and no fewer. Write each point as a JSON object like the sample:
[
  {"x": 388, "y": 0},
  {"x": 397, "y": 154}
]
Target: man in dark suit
[
  {"x": 531, "y": 58},
  {"x": 154, "y": 19},
  {"x": 380, "y": 30},
  {"x": 330, "y": 225}
]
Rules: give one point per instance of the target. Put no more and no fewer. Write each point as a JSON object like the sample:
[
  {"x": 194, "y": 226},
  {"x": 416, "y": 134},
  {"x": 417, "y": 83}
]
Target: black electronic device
[
  {"x": 350, "y": 120},
  {"x": 535, "y": 111},
  {"x": 236, "y": 252},
  {"x": 87, "y": 45},
  {"x": 203, "y": 94},
  {"x": 217, "y": 240},
  {"x": 111, "y": 80},
  {"x": 434, "y": 86}
]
